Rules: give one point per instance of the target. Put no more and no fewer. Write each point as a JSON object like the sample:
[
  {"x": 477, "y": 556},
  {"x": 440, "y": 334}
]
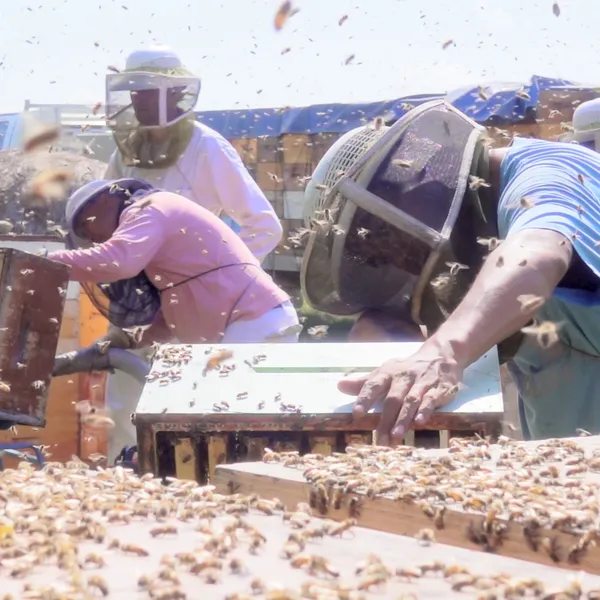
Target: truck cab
[{"x": 84, "y": 129}]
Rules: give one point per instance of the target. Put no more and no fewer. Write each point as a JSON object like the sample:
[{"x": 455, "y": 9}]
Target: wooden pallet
[
  {"x": 190, "y": 420},
  {"x": 403, "y": 518}
]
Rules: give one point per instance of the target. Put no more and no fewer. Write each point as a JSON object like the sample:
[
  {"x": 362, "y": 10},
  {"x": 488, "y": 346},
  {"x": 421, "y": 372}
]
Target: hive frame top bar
[{"x": 262, "y": 377}]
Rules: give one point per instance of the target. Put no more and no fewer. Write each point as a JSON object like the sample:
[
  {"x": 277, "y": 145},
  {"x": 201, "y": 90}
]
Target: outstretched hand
[{"x": 412, "y": 388}]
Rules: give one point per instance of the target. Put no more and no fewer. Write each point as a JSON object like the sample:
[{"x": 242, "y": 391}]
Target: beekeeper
[
  {"x": 484, "y": 247},
  {"x": 585, "y": 126},
  {"x": 170, "y": 270},
  {"x": 149, "y": 108}
]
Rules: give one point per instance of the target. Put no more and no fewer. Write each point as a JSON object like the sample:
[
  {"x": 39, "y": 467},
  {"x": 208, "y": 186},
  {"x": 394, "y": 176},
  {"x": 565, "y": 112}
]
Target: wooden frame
[
  {"x": 247, "y": 392},
  {"x": 386, "y": 514}
]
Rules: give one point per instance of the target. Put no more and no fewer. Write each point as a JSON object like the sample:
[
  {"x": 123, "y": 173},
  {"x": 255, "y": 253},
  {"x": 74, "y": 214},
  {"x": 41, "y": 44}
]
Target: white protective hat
[
  {"x": 86, "y": 194},
  {"x": 152, "y": 68},
  {"x": 586, "y": 124}
]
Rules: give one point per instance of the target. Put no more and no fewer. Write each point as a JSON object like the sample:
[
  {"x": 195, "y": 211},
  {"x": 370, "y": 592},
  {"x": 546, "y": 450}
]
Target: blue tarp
[{"x": 508, "y": 102}]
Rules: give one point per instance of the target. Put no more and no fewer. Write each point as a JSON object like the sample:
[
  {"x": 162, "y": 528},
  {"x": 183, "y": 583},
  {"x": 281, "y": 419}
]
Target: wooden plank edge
[
  {"x": 198, "y": 423},
  {"x": 400, "y": 518}
]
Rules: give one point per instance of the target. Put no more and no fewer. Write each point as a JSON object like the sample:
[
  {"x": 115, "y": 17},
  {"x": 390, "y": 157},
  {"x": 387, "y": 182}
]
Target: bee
[
  {"x": 340, "y": 528},
  {"x": 257, "y": 586},
  {"x": 552, "y": 547},
  {"x": 173, "y": 593},
  {"x": 455, "y": 268},
  {"x": 168, "y": 574},
  {"x": 319, "y": 498},
  {"x": 426, "y": 536},
  {"x": 530, "y": 302},
  {"x": 210, "y": 562},
  {"x": 314, "y": 564},
  {"x": 236, "y": 565},
  {"x": 98, "y": 583},
  {"x": 545, "y": 332},
  {"x": 215, "y": 360},
  {"x": 144, "y": 582},
  {"x": 577, "y": 470},
  {"x": 134, "y": 549},
  {"x": 459, "y": 582},
  {"x": 373, "y": 580},
  {"x": 337, "y": 497},
  {"x": 409, "y": 573},
  {"x": 477, "y": 182},
  {"x": 354, "y": 507},
  {"x": 94, "y": 560}
]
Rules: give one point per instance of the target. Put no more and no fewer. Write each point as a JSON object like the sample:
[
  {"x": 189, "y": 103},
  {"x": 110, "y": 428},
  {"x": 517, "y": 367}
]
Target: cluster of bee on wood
[
  {"x": 48, "y": 516},
  {"x": 537, "y": 492}
]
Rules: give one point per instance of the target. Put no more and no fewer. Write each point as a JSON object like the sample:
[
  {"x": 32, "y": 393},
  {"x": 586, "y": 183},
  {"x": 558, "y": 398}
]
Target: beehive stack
[{"x": 68, "y": 533}]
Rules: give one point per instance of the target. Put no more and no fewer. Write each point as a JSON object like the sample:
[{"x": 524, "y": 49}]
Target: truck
[{"x": 84, "y": 128}]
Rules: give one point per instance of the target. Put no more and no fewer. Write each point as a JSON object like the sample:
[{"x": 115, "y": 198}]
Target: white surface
[
  {"x": 305, "y": 375},
  {"x": 293, "y": 205}
]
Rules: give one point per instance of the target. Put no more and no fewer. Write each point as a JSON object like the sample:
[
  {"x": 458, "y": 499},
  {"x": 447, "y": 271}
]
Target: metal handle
[{"x": 92, "y": 359}]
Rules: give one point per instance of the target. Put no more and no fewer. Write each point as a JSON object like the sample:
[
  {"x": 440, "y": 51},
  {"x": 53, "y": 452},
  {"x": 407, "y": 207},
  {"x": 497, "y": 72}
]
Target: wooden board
[
  {"x": 404, "y": 517},
  {"x": 345, "y": 553},
  {"x": 32, "y": 299},
  {"x": 266, "y": 376}
]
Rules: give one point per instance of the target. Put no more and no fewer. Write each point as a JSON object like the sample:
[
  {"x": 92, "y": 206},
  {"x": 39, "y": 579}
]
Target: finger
[
  {"x": 352, "y": 385},
  {"x": 408, "y": 410},
  {"x": 375, "y": 387},
  {"x": 431, "y": 400},
  {"x": 392, "y": 405}
]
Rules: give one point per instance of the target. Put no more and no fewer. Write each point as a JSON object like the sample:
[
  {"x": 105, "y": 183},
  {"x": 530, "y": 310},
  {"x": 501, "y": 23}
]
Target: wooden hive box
[
  {"x": 33, "y": 291},
  {"x": 282, "y": 396}
]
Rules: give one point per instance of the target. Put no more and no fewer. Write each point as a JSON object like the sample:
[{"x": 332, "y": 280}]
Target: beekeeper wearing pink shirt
[
  {"x": 170, "y": 266},
  {"x": 149, "y": 108}
]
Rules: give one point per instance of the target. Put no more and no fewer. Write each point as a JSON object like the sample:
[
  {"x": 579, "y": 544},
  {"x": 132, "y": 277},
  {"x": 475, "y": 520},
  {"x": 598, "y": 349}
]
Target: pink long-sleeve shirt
[{"x": 172, "y": 239}]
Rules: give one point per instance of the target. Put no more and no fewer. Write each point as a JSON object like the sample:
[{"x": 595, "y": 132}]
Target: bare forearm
[{"x": 493, "y": 309}]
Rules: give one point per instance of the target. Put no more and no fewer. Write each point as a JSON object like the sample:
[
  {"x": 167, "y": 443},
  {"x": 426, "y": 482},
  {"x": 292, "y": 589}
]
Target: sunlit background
[{"x": 58, "y": 51}]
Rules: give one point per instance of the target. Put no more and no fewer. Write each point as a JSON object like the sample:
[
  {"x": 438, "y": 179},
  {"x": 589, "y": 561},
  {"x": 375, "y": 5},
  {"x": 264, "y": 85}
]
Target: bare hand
[{"x": 412, "y": 389}]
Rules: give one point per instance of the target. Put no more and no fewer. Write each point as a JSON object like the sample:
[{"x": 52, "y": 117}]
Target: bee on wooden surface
[
  {"x": 98, "y": 583},
  {"x": 461, "y": 581},
  {"x": 425, "y": 536},
  {"x": 551, "y": 545},
  {"x": 169, "y": 575},
  {"x": 291, "y": 549},
  {"x": 94, "y": 559},
  {"x": 265, "y": 506},
  {"x": 210, "y": 562},
  {"x": 337, "y": 497},
  {"x": 134, "y": 549},
  {"x": 409, "y": 572},
  {"x": 451, "y": 570},
  {"x": 173, "y": 593},
  {"x": 314, "y": 564},
  {"x": 340, "y": 528},
  {"x": 576, "y": 470},
  {"x": 236, "y": 566},
  {"x": 256, "y": 543},
  {"x": 258, "y": 586},
  {"x": 374, "y": 580},
  {"x": 319, "y": 499},
  {"x": 354, "y": 507}
]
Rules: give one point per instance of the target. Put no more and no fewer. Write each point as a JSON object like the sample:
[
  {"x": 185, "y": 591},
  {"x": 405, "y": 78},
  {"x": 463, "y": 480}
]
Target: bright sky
[{"x": 48, "y": 51}]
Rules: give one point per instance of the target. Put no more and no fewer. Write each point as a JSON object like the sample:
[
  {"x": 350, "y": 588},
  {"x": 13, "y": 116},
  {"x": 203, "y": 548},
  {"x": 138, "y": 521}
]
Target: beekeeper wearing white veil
[{"x": 149, "y": 108}]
